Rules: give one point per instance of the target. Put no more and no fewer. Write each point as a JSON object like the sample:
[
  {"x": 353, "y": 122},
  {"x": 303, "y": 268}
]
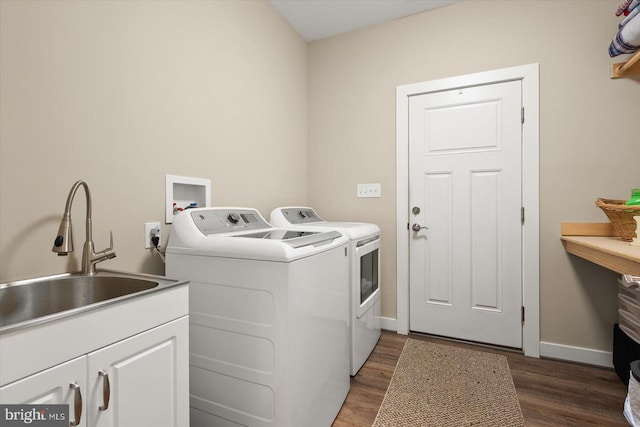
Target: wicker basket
[{"x": 621, "y": 216}]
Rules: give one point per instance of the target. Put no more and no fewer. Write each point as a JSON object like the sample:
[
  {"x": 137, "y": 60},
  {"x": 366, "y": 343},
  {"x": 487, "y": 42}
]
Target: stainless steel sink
[{"x": 28, "y": 302}]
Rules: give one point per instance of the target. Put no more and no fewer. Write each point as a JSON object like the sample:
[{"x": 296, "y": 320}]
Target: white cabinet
[
  {"x": 141, "y": 346},
  {"x": 57, "y": 385},
  {"x": 146, "y": 377},
  {"x": 142, "y": 381}
]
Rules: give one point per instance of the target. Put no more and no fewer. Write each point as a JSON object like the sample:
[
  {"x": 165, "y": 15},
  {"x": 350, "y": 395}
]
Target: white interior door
[{"x": 465, "y": 172}]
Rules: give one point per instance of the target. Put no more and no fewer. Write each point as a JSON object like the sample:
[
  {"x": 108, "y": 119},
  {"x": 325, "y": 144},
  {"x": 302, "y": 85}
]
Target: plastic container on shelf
[
  {"x": 632, "y": 402},
  {"x": 635, "y": 197}
]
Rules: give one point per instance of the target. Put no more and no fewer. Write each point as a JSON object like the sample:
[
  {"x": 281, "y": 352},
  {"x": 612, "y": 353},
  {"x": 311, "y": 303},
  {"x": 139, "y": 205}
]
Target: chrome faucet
[{"x": 64, "y": 241}]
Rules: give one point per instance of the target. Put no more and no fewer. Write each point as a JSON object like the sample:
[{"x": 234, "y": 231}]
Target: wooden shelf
[
  {"x": 625, "y": 69},
  {"x": 609, "y": 252},
  {"x": 612, "y": 253}
]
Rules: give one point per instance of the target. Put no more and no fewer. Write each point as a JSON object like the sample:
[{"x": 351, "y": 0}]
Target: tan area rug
[{"x": 442, "y": 385}]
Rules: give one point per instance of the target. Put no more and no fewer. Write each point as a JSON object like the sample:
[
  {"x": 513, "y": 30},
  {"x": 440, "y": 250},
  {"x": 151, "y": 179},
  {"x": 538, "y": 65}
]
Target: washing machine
[
  {"x": 364, "y": 273},
  {"x": 269, "y": 319}
]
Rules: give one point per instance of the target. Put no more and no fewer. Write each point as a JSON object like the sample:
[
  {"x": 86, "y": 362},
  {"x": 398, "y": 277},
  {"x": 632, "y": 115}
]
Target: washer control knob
[{"x": 233, "y": 218}]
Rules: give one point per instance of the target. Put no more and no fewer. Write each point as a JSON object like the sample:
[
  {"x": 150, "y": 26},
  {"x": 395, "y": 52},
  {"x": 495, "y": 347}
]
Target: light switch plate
[{"x": 369, "y": 190}]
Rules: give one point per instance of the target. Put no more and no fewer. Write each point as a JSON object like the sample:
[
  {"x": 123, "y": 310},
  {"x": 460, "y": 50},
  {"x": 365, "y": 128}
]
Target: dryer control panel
[
  {"x": 225, "y": 220},
  {"x": 300, "y": 215}
]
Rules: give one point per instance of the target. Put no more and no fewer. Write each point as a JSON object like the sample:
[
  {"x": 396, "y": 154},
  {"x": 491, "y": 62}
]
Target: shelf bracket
[{"x": 624, "y": 69}]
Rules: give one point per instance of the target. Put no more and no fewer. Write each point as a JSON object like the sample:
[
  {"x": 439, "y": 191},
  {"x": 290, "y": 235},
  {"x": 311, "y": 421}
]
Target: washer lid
[{"x": 294, "y": 238}]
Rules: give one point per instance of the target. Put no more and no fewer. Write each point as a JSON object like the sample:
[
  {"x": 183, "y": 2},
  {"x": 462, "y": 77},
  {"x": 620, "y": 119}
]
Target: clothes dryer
[
  {"x": 269, "y": 343},
  {"x": 364, "y": 261}
]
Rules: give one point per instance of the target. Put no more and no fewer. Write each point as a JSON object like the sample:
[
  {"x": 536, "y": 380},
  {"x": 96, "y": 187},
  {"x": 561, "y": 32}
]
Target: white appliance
[
  {"x": 364, "y": 246},
  {"x": 269, "y": 343}
]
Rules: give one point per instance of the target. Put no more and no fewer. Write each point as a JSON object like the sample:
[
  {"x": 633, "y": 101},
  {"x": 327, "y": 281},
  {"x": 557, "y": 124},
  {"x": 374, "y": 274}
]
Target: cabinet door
[
  {"x": 147, "y": 381},
  {"x": 62, "y": 384}
]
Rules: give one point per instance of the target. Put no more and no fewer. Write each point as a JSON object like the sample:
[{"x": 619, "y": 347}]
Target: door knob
[
  {"x": 418, "y": 227},
  {"x": 415, "y": 210}
]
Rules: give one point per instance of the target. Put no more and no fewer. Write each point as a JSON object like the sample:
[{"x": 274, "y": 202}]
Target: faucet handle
[{"x": 109, "y": 252}]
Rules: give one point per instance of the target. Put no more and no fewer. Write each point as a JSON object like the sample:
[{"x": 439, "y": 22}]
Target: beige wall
[
  {"x": 588, "y": 142},
  {"x": 120, "y": 93}
]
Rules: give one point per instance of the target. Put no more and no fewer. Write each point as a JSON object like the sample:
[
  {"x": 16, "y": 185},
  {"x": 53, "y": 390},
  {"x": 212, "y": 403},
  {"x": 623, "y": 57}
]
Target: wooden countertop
[{"x": 609, "y": 252}]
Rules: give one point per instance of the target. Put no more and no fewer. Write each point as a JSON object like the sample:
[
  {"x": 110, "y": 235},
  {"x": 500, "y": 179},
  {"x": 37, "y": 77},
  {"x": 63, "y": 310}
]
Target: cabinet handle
[
  {"x": 106, "y": 390},
  {"x": 77, "y": 403}
]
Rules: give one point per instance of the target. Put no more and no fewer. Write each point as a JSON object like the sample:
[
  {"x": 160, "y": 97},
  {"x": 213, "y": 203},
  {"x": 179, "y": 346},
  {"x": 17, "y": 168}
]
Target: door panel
[
  {"x": 465, "y": 174},
  {"x": 450, "y": 127},
  {"x": 485, "y": 240},
  {"x": 439, "y": 245}
]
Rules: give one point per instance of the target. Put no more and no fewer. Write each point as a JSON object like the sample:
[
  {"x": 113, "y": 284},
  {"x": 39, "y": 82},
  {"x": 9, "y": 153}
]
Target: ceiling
[{"x": 317, "y": 19}]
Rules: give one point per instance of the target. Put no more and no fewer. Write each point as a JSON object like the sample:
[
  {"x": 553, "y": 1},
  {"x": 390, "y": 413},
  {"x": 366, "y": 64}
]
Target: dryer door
[{"x": 366, "y": 274}]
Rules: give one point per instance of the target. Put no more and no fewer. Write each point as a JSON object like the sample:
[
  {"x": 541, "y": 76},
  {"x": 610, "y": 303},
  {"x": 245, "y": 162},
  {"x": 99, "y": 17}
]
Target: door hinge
[
  {"x": 522, "y": 115},
  {"x": 522, "y": 311},
  {"x": 522, "y": 214}
]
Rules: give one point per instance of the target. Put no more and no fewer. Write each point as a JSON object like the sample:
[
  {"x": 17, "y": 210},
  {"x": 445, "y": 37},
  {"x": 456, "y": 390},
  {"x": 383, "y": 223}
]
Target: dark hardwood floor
[{"x": 551, "y": 393}]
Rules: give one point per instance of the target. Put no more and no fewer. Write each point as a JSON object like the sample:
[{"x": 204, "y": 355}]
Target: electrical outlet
[
  {"x": 369, "y": 190},
  {"x": 151, "y": 229}
]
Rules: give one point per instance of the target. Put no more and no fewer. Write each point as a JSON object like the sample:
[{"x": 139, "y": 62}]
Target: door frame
[{"x": 529, "y": 75}]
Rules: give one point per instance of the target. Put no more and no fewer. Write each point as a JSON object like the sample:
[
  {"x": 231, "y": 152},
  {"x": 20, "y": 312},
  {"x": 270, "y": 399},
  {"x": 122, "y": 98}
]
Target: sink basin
[{"x": 36, "y": 300}]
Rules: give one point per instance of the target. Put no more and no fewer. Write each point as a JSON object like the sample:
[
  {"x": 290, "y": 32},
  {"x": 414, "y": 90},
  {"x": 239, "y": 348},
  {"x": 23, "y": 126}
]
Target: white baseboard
[
  {"x": 577, "y": 354},
  {"x": 547, "y": 349},
  {"x": 389, "y": 324}
]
